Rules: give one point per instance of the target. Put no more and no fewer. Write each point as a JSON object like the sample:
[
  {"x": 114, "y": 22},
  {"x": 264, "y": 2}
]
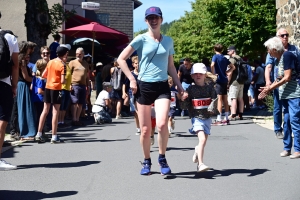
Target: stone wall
[
  {"x": 121, "y": 14},
  {"x": 288, "y": 17}
]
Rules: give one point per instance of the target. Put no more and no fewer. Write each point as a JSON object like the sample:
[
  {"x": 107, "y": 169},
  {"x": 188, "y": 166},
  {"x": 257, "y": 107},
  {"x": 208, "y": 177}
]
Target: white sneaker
[
  {"x": 138, "y": 131},
  {"x": 173, "y": 124},
  {"x": 170, "y": 131},
  {"x": 202, "y": 168},
  {"x": 6, "y": 166},
  {"x": 152, "y": 140},
  {"x": 195, "y": 156},
  {"x": 118, "y": 117}
]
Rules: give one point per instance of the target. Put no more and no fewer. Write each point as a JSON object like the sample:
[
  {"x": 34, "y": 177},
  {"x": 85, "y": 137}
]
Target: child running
[
  {"x": 126, "y": 86},
  {"x": 153, "y": 124},
  {"x": 171, "y": 122},
  {"x": 197, "y": 99}
]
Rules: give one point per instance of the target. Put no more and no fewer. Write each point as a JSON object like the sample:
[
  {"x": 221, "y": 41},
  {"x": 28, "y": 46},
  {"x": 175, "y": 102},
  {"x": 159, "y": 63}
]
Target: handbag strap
[{"x": 160, "y": 39}]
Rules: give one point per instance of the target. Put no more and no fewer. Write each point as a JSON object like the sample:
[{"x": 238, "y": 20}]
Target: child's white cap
[{"x": 199, "y": 68}]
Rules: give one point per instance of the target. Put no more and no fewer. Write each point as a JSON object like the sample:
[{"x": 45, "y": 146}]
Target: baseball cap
[
  {"x": 87, "y": 55},
  {"x": 106, "y": 84},
  {"x": 99, "y": 64},
  {"x": 199, "y": 68},
  {"x": 153, "y": 11},
  {"x": 231, "y": 48},
  {"x": 62, "y": 49}
]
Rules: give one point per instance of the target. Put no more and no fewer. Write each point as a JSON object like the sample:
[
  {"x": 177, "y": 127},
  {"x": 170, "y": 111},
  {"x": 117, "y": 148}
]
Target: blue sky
[{"x": 171, "y": 9}]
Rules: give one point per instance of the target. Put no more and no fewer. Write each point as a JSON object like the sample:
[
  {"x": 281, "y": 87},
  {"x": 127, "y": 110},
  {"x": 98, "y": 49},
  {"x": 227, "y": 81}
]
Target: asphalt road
[{"x": 102, "y": 162}]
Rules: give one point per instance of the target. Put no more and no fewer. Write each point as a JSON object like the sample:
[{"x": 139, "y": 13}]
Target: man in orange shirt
[
  {"x": 55, "y": 75},
  {"x": 80, "y": 82}
]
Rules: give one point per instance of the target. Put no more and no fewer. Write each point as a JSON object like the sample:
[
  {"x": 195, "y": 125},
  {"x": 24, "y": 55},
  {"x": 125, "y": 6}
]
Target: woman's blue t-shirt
[{"x": 157, "y": 69}]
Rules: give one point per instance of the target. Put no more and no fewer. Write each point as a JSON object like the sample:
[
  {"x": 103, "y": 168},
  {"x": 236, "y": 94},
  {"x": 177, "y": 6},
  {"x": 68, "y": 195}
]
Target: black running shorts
[
  {"x": 148, "y": 92},
  {"x": 52, "y": 96}
]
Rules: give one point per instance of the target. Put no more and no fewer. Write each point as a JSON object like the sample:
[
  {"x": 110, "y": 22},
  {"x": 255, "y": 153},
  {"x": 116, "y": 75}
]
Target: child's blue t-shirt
[
  {"x": 221, "y": 64},
  {"x": 37, "y": 83},
  {"x": 157, "y": 69}
]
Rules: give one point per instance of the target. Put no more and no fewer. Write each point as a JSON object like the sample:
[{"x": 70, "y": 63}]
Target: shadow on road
[
  {"x": 33, "y": 195},
  {"x": 213, "y": 174},
  {"x": 12, "y": 151},
  {"x": 82, "y": 140},
  {"x": 176, "y": 149},
  {"x": 179, "y": 134},
  {"x": 59, "y": 165}
]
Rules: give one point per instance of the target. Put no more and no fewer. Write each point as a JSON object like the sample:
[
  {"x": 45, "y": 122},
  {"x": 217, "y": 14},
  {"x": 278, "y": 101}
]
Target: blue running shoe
[
  {"x": 164, "y": 167},
  {"x": 146, "y": 170}
]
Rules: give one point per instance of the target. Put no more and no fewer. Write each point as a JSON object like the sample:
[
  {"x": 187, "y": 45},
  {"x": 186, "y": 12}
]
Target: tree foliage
[
  {"x": 58, "y": 16},
  {"x": 245, "y": 24}
]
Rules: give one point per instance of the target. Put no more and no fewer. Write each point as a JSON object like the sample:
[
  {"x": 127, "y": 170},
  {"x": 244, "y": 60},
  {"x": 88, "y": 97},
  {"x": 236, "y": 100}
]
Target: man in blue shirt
[
  {"x": 269, "y": 77},
  {"x": 53, "y": 46},
  {"x": 219, "y": 66}
]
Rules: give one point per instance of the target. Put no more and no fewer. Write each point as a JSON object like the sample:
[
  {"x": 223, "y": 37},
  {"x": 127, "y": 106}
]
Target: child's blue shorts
[{"x": 200, "y": 125}]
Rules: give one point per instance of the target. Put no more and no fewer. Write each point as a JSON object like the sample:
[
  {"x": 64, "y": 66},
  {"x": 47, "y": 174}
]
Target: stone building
[
  {"x": 117, "y": 14},
  {"x": 288, "y": 17}
]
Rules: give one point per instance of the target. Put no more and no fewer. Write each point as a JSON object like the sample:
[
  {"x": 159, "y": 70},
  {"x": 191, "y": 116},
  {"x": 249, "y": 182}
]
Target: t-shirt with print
[
  {"x": 55, "y": 68},
  {"x": 103, "y": 95},
  {"x": 185, "y": 74},
  {"x": 199, "y": 99},
  {"x": 37, "y": 83},
  {"x": 260, "y": 75},
  {"x": 68, "y": 78},
  {"x": 173, "y": 97},
  {"x": 79, "y": 71},
  {"x": 146, "y": 46},
  {"x": 290, "y": 89},
  {"x": 221, "y": 64},
  {"x": 270, "y": 60},
  {"x": 13, "y": 48}
]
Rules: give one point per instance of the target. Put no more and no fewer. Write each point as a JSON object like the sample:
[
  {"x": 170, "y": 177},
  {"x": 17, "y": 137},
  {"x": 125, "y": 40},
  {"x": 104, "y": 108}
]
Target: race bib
[
  {"x": 201, "y": 103},
  {"x": 173, "y": 99}
]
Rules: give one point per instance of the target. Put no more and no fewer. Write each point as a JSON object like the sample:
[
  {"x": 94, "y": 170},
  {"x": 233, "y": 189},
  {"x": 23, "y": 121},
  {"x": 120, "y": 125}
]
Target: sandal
[{"x": 27, "y": 139}]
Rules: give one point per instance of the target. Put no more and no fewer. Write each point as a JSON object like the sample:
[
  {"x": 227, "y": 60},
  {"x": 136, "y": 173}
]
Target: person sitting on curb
[{"x": 102, "y": 104}]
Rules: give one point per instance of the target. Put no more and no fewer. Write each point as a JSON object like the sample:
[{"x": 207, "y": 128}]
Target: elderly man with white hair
[
  {"x": 283, "y": 35},
  {"x": 287, "y": 80}
]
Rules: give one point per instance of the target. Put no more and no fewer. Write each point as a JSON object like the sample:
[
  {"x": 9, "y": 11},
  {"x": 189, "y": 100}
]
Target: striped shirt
[{"x": 290, "y": 89}]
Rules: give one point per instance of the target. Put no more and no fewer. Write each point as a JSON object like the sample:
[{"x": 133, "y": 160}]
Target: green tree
[
  {"x": 245, "y": 24},
  {"x": 40, "y": 21}
]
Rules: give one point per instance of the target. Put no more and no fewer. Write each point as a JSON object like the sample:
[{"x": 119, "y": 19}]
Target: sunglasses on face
[
  {"x": 45, "y": 53},
  {"x": 282, "y": 35}
]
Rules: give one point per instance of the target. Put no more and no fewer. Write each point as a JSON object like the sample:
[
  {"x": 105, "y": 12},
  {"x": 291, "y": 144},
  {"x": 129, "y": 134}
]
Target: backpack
[
  {"x": 115, "y": 80},
  {"x": 242, "y": 71},
  {"x": 5, "y": 58}
]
